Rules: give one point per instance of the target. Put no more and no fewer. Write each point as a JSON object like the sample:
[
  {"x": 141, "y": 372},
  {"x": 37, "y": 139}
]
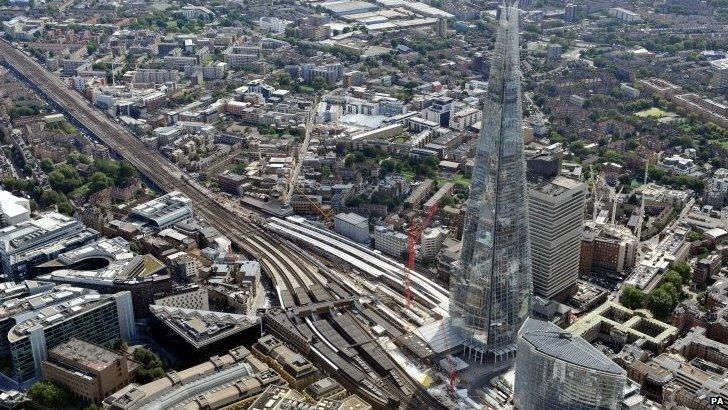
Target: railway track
[
  {"x": 167, "y": 177},
  {"x": 293, "y": 271}
]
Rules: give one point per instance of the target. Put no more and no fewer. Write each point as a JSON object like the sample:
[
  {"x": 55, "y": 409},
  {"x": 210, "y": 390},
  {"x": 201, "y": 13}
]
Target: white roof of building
[{"x": 13, "y": 206}]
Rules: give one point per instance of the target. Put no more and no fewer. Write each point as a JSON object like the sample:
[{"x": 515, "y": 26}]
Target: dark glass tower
[{"x": 490, "y": 292}]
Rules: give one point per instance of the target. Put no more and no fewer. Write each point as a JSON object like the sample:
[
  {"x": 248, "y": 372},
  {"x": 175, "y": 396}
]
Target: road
[
  {"x": 293, "y": 179},
  {"x": 286, "y": 267},
  {"x": 291, "y": 269}
]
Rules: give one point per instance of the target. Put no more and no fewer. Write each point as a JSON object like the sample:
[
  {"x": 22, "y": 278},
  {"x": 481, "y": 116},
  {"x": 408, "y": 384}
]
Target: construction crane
[
  {"x": 326, "y": 215},
  {"x": 414, "y": 232},
  {"x": 614, "y": 205},
  {"x": 452, "y": 373},
  {"x": 638, "y": 229}
]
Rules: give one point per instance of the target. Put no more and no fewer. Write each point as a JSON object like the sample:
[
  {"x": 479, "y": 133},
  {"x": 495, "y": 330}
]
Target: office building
[
  {"x": 164, "y": 211},
  {"x": 490, "y": 293},
  {"x": 15, "y": 290},
  {"x": 95, "y": 318},
  {"x": 25, "y": 245},
  {"x": 556, "y": 370},
  {"x": 555, "y": 212},
  {"x": 570, "y": 13},
  {"x": 353, "y": 226},
  {"x": 87, "y": 370},
  {"x": 189, "y": 297},
  {"x": 431, "y": 242},
  {"x": 203, "y": 332},
  {"x": 109, "y": 266},
  {"x": 440, "y": 111},
  {"x": 26, "y": 303},
  {"x": 284, "y": 398},
  {"x": 13, "y": 209},
  {"x": 389, "y": 241},
  {"x": 720, "y": 73},
  {"x": 295, "y": 369}
]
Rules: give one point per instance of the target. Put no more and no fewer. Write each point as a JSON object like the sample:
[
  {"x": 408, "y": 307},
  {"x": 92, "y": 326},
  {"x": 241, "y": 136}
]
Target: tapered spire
[{"x": 491, "y": 290}]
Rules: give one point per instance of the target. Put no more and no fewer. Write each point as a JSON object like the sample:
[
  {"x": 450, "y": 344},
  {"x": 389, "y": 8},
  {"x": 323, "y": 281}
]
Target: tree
[
  {"x": 126, "y": 171},
  {"x": 99, "y": 181},
  {"x": 285, "y": 80},
  {"x": 674, "y": 278},
  {"x": 46, "y": 165},
  {"x": 65, "y": 208},
  {"x": 632, "y": 297},
  {"x": 660, "y": 303},
  {"x": 319, "y": 83},
  {"x": 151, "y": 368},
  {"x": 49, "y": 394},
  {"x": 683, "y": 268},
  {"x": 91, "y": 48}
]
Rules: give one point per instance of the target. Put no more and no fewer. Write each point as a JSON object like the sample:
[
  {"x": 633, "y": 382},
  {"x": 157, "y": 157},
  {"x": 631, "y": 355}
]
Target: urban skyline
[{"x": 364, "y": 204}]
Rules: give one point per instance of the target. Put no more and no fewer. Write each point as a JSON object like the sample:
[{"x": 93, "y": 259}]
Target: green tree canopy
[
  {"x": 660, "y": 302},
  {"x": 632, "y": 297},
  {"x": 50, "y": 395}
]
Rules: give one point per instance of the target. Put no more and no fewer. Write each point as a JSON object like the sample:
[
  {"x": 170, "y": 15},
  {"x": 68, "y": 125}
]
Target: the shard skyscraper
[{"x": 490, "y": 292}]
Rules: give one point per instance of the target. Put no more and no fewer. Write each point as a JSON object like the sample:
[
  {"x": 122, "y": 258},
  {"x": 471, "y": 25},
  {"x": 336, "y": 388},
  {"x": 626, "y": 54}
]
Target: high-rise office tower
[
  {"x": 556, "y": 370},
  {"x": 570, "y": 13},
  {"x": 490, "y": 292},
  {"x": 556, "y": 209}
]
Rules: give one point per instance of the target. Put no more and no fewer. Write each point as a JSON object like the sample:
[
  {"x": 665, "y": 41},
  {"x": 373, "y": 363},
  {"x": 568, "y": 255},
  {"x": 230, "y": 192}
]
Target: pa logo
[{"x": 716, "y": 400}]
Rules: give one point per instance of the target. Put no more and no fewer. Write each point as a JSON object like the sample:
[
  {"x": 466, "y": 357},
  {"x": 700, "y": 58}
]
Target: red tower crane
[{"x": 413, "y": 235}]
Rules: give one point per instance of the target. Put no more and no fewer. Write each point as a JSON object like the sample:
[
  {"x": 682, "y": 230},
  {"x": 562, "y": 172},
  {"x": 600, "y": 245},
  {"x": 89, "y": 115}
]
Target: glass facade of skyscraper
[
  {"x": 491, "y": 291},
  {"x": 558, "y": 371}
]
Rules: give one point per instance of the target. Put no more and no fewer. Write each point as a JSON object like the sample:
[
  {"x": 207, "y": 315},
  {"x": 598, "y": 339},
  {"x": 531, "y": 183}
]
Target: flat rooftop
[
  {"x": 85, "y": 354},
  {"x": 57, "y": 313},
  {"x": 202, "y": 327}
]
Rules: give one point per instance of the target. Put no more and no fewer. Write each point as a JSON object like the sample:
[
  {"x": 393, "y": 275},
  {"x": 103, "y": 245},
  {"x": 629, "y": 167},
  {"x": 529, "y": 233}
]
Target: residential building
[
  {"x": 431, "y": 242},
  {"x": 720, "y": 73},
  {"x": 625, "y": 15},
  {"x": 617, "y": 325},
  {"x": 570, "y": 13},
  {"x": 419, "y": 193},
  {"x": 607, "y": 251}
]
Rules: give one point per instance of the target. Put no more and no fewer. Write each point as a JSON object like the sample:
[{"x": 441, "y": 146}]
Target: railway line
[
  {"x": 157, "y": 169},
  {"x": 298, "y": 277}
]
